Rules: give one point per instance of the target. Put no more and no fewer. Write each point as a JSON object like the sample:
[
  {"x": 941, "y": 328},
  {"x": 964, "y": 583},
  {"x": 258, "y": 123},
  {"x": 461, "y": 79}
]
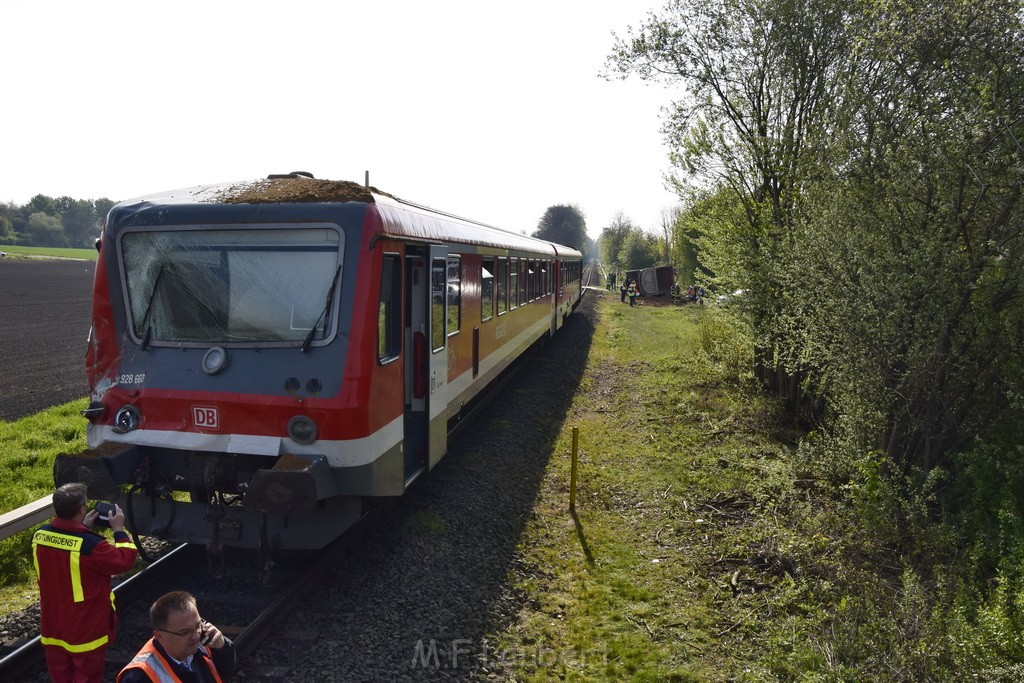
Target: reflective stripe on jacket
[
  {"x": 159, "y": 669},
  {"x": 74, "y": 566}
]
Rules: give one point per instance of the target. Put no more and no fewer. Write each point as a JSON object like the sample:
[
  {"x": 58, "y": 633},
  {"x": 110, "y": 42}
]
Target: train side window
[
  {"x": 487, "y": 289},
  {"x": 389, "y": 309},
  {"x": 438, "y": 299},
  {"x": 502, "y": 284},
  {"x": 513, "y": 283},
  {"x": 524, "y": 276},
  {"x": 454, "y": 294}
]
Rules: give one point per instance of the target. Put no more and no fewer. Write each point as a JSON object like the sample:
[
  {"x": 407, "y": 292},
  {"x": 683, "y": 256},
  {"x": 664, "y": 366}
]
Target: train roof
[{"x": 399, "y": 217}]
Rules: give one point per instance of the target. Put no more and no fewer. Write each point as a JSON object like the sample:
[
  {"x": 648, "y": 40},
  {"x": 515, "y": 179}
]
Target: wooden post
[{"x": 572, "y": 475}]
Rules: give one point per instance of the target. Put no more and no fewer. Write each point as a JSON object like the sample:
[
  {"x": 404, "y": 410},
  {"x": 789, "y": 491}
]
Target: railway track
[{"x": 246, "y": 603}]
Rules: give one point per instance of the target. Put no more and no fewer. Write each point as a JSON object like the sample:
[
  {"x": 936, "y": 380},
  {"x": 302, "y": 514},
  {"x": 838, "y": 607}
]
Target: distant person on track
[
  {"x": 77, "y": 617},
  {"x": 622, "y": 290},
  {"x": 632, "y": 293},
  {"x": 183, "y": 648}
]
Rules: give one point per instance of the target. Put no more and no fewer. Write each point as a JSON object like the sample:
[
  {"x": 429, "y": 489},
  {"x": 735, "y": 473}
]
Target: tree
[
  {"x": 79, "y": 220},
  {"x": 612, "y": 239},
  {"x": 669, "y": 218},
  {"x": 864, "y": 168},
  {"x": 102, "y": 208},
  {"x": 563, "y": 224},
  {"x": 921, "y": 230},
  {"x": 45, "y": 230},
  {"x": 7, "y": 234},
  {"x": 639, "y": 250},
  {"x": 9, "y": 214},
  {"x": 699, "y": 237},
  {"x": 42, "y": 204},
  {"x": 762, "y": 81}
]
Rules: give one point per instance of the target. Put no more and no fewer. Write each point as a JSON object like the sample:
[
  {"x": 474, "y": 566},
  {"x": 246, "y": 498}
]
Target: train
[{"x": 268, "y": 358}]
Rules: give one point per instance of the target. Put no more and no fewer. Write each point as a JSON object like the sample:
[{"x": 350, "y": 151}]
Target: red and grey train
[{"x": 266, "y": 357}]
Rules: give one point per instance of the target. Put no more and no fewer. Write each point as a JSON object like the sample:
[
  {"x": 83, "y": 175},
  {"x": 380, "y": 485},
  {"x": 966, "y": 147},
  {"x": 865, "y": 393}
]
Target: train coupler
[{"x": 295, "y": 485}]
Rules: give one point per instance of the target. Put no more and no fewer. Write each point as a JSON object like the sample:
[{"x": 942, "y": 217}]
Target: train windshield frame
[{"x": 266, "y": 285}]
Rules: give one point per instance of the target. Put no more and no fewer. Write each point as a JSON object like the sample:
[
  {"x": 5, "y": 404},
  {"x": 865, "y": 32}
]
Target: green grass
[
  {"x": 677, "y": 457},
  {"x": 27, "y": 450},
  {"x": 58, "y": 252},
  {"x": 701, "y": 550}
]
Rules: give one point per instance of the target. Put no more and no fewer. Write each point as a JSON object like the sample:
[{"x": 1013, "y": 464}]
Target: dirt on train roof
[{"x": 300, "y": 189}]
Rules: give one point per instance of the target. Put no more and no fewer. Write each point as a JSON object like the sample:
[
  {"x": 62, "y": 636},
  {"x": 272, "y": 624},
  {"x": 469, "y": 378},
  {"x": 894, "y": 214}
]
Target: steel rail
[
  {"x": 280, "y": 607},
  {"x": 30, "y": 653}
]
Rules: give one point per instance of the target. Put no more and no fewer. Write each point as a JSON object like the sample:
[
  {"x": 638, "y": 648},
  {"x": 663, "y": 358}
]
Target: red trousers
[{"x": 81, "y": 667}]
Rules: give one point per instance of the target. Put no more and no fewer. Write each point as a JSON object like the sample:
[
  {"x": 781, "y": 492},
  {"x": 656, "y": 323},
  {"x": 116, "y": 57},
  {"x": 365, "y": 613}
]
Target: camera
[{"x": 104, "y": 510}]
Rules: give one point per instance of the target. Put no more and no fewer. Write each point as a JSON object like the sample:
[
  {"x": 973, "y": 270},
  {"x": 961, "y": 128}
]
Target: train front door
[{"x": 426, "y": 366}]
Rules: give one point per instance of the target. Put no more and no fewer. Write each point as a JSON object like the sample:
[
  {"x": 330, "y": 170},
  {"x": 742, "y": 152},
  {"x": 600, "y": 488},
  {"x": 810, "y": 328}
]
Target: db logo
[{"x": 205, "y": 417}]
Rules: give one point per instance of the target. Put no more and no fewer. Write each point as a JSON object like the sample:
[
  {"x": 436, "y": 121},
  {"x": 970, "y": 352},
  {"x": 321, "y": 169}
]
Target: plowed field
[{"x": 44, "y": 324}]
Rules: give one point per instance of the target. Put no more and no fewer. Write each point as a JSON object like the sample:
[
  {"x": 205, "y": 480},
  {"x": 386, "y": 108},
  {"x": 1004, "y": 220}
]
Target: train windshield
[{"x": 262, "y": 285}]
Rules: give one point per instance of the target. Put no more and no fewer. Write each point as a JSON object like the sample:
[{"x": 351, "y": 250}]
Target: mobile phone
[{"x": 104, "y": 512}]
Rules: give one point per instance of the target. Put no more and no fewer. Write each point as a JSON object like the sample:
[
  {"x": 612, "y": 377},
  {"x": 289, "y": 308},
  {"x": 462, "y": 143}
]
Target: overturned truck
[{"x": 653, "y": 281}]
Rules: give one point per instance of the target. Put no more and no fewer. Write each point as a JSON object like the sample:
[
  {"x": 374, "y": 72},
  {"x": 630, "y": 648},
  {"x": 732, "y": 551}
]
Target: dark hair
[
  {"x": 175, "y": 601},
  {"x": 69, "y": 499}
]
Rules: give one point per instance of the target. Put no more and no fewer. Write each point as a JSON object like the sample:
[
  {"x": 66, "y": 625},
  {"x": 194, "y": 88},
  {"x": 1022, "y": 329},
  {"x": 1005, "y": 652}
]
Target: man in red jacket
[{"x": 77, "y": 617}]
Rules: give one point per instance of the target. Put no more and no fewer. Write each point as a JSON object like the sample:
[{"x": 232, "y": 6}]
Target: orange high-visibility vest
[{"x": 159, "y": 669}]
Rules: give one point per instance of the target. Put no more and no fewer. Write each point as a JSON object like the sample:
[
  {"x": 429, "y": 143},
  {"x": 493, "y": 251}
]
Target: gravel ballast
[{"x": 418, "y": 598}]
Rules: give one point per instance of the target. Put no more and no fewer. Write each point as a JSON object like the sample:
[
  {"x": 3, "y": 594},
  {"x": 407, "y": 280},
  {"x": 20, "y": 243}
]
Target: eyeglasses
[{"x": 189, "y": 632}]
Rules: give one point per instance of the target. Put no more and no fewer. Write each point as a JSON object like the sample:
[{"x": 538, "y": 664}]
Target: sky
[{"x": 490, "y": 111}]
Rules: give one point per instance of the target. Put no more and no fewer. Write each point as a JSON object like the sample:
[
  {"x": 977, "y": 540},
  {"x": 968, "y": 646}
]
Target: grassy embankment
[
  {"x": 701, "y": 550},
  {"x": 681, "y": 466},
  {"x": 27, "y": 449},
  {"x": 53, "y": 252}
]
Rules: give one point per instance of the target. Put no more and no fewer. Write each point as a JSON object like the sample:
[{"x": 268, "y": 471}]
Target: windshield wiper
[
  {"x": 149, "y": 307},
  {"x": 323, "y": 313}
]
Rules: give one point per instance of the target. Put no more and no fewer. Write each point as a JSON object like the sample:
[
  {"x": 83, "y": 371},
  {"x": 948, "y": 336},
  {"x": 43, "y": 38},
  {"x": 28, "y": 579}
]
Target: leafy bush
[
  {"x": 986, "y": 503},
  {"x": 725, "y": 339}
]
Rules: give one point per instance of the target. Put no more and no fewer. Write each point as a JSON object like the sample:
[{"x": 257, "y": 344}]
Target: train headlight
[
  {"x": 302, "y": 430},
  {"x": 214, "y": 360},
  {"x": 127, "y": 419}
]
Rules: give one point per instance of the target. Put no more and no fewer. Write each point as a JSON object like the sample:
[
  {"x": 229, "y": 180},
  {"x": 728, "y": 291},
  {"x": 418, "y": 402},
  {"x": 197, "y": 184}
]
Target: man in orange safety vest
[{"x": 185, "y": 648}]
